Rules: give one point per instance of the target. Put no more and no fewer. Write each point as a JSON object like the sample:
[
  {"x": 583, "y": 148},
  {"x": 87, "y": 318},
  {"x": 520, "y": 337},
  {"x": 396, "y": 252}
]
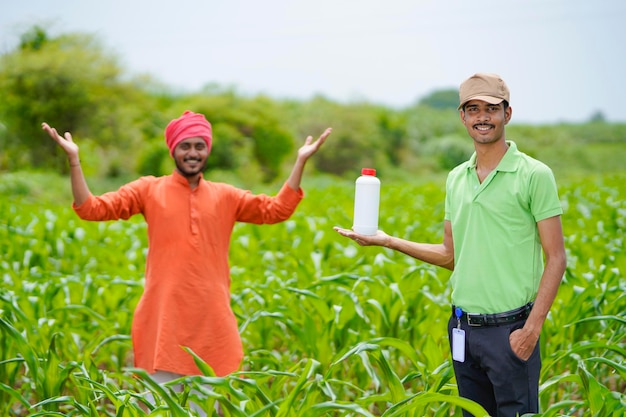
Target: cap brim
[{"x": 488, "y": 99}]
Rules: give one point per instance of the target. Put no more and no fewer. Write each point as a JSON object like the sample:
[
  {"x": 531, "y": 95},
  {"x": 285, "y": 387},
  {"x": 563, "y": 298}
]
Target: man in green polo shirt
[{"x": 502, "y": 217}]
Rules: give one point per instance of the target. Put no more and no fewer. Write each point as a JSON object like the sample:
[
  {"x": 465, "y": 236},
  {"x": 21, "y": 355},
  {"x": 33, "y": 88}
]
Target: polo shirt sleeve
[
  {"x": 451, "y": 178},
  {"x": 447, "y": 202},
  {"x": 544, "y": 196}
]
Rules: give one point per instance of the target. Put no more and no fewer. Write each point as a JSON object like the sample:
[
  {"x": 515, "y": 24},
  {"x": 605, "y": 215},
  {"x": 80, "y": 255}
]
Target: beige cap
[{"x": 483, "y": 86}]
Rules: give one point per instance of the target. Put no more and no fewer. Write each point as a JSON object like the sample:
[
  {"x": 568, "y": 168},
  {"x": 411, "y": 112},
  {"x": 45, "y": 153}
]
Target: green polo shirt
[{"x": 498, "y": 260}]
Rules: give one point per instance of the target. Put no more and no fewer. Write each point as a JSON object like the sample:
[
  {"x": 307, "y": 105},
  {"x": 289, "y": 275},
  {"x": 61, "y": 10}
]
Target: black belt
[{"x": 511, "y": 316}]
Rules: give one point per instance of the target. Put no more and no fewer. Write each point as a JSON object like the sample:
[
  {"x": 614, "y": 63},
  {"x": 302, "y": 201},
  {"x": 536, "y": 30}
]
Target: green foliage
[
  {"x": 153, "y": 159},
  {"x": 227, "y": 143},
  {"x": 329, "y": 328},
  {"x": 73, "y": 83},
  {"x": 574, "y": 149},
  {"x": 442, "y": 99},
  {"x": 23, "y": 77},
  {"x": 271, "y": 144},
  {"x": 245, "y": 131},
  {"x": 33, "y": 39},
  {"x": 392, "y": 127},
  {"x": 357, "y": 140},
  {"x": 450, "y": 151}
]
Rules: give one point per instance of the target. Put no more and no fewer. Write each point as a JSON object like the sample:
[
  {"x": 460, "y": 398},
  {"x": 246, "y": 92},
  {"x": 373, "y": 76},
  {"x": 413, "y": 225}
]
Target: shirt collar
[
  {"x": 179, "y": 178},
  {"x": 508, "y": 163}
]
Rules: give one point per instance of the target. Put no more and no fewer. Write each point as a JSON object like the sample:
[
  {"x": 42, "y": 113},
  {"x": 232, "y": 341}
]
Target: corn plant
[{"x": 329, "y": 328}]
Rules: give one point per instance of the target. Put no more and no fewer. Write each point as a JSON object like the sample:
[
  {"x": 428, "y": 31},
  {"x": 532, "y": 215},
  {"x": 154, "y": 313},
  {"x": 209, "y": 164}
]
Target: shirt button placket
[{"x": 193, "y": 214}]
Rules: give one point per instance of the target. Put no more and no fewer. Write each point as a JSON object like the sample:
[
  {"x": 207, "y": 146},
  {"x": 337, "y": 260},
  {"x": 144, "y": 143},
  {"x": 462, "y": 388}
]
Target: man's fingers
[
  {"x": 50, "y": 130},
  {"x": 322, "y": 137},
  {"x": 349, "y": 234},
  {"x": 47, "y": 128},
  {"x": 326, "y": 133},
  {"x": 54, "y": 134},
  {"x": 342, "y": 231}
]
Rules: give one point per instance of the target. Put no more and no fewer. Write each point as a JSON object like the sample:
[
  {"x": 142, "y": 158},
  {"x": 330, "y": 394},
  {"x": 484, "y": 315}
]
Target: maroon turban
[{"x": 189, "y": 125}]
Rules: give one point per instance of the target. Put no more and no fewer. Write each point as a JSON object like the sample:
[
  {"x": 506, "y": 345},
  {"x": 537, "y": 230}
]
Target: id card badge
[{"x": 458, "y": 345}]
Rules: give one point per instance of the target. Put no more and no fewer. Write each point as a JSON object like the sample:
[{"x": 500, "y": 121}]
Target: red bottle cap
[{"x": 368, "y": 171}]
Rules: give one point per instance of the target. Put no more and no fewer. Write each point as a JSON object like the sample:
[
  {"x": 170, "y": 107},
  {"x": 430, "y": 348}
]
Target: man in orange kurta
[{"x": 186, "y": 300}]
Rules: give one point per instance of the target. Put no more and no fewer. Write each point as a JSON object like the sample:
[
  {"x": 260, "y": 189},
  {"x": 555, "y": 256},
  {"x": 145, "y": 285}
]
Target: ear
[
  {"x": 462, "y": 116},
  {"x": 507, "y": 115}
]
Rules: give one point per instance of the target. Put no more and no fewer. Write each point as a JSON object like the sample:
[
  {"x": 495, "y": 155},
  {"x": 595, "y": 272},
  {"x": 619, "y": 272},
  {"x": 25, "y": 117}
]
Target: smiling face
[
  {"x": 190, "y": 156},
  {"x": 484, "y": 121}
]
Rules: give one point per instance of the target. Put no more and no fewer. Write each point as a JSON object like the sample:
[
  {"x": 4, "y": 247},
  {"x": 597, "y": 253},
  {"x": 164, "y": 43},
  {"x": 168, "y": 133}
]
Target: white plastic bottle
[{"x": 366, "y": 202}]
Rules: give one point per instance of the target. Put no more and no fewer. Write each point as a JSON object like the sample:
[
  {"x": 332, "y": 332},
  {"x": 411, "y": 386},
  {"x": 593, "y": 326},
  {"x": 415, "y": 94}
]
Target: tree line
[{"x": 72, "y": 82}]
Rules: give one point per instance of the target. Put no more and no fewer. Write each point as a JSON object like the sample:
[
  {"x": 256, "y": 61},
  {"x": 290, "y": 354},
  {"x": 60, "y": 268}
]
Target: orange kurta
[{"x": 186, "y": 300}]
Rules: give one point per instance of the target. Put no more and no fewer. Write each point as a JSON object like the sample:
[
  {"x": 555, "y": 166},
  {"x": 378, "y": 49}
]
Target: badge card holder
[{"x": 458, "y": 338}]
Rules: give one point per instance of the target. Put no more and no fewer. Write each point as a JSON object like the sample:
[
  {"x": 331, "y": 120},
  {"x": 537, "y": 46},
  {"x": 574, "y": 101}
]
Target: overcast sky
[{"x": 564, "y": 60}]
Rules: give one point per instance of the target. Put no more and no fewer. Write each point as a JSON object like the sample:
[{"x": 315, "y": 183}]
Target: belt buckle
[{"x": 473, "y": 323}]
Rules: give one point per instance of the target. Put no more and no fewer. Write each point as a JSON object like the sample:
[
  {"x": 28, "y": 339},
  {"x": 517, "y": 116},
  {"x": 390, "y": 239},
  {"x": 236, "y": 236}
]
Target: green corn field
[{"x": 329, "y": 328}]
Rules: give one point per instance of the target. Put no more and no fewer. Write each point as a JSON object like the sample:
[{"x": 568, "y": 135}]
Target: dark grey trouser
[{"x": 492, "y": 375}]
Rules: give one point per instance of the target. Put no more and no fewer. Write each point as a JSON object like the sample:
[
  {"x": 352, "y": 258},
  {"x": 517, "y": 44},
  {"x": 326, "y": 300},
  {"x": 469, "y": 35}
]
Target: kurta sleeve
[
  {"x": 115, "y": 205},
  {"x": 264, "y": 209}
]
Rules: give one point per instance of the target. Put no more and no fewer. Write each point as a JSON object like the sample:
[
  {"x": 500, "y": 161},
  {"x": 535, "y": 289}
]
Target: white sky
[{"x": 562, "y": 59}]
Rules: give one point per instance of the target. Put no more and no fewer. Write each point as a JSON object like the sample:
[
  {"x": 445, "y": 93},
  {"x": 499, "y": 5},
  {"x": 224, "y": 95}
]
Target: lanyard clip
[{"x": 458, "y": 312}]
